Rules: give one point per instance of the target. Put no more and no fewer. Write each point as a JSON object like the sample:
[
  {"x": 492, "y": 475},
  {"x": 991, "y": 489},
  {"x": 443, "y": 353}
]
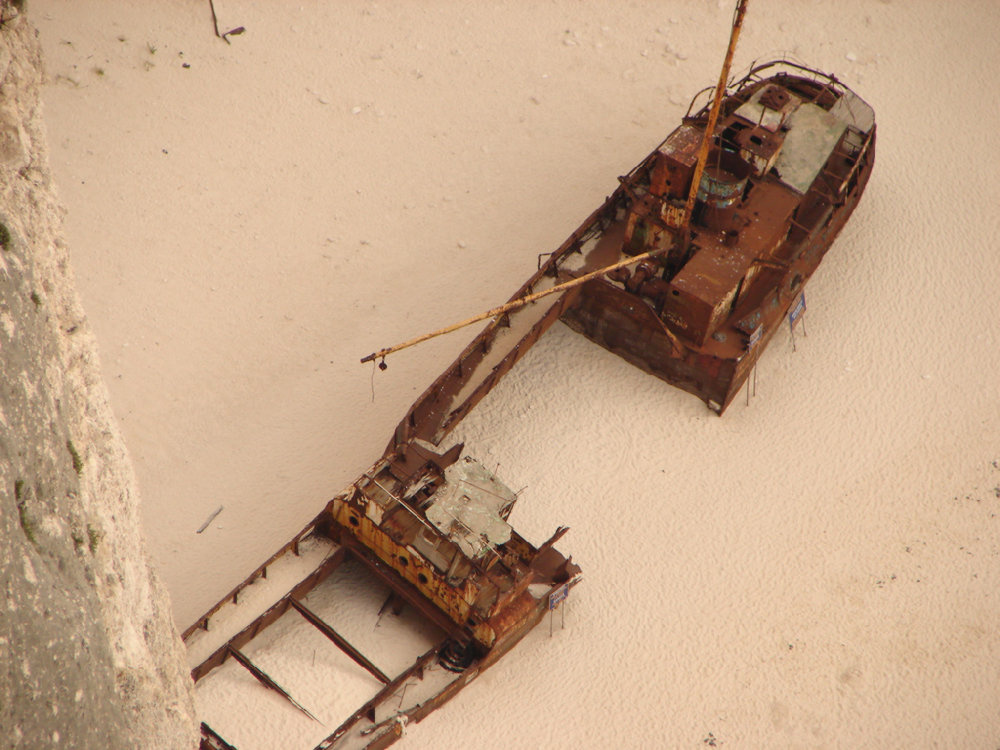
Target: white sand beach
[{"x": 817, "y": 568}]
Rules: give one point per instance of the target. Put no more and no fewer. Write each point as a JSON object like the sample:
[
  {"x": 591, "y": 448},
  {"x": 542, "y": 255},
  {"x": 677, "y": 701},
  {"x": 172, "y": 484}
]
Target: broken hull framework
[
  {"x": 432, "y": 525},
  {"x": 477, "y": 581}
]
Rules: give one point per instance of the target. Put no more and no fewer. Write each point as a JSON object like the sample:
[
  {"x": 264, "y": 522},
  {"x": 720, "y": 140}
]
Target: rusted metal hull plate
[
  {"x": 625, "y": 326},
  {"x": 702, "y": 319}
]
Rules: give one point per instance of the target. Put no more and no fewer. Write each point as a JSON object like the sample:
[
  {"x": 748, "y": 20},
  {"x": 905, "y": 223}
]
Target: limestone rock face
[{"x": 89, "y": 654}]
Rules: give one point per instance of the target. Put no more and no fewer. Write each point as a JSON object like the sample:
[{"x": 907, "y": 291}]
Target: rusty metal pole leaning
[
  {"x": 741, "y": 8},
  {"x": 713, "y": 117},
  {"x": 514, "y": 304}
]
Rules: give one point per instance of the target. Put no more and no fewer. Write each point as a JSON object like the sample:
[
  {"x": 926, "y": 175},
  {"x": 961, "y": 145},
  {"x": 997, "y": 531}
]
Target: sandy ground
[{"x": 816, "y": 569}]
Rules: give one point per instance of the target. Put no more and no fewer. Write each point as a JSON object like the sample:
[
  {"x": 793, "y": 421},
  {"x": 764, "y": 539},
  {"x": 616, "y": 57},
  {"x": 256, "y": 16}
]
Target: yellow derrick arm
[
  {"x": 514, "y": 304},
  {"x": 713, "y": 117}
]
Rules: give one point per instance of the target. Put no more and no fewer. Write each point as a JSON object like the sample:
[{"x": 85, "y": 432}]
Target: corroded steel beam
[
  {"x": 432, "y": 415},
  {"x": 271, "y": 615},
  {"x": 210, "y": 740},
  {"x": 369, "y": 708},
  {"x": 261, "y": 572},
  {"x": 264, "y": 679},
  {"x": 313, "y": 619}
]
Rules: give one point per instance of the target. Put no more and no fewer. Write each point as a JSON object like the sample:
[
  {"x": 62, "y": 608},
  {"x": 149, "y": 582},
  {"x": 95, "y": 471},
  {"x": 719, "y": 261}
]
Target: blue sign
[
  {"x": 796, "y": 312},
  {"x": 558, "y": 596}
]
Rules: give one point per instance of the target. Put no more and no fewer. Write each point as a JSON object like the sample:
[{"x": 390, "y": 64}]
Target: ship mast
[
  {"x": 685, "y": 227},
  {"x": 713, "y": 118}
]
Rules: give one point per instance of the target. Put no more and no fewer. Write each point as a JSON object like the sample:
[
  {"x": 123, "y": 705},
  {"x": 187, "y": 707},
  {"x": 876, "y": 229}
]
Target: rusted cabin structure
[{"x": 790, "y": 157}]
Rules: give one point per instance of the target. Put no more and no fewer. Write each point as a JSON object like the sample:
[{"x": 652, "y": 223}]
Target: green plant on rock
[
  {"x": 77, "y": 461},
  {"x": 4, "y": 236},
  {"x": 94, "y": 537},
  {"x": 27, "y": 525}
]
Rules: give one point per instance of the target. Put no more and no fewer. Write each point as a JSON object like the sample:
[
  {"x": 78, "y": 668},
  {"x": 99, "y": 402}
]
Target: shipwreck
[
  {"x": 689, "y": 267},
  {"x": 686, "y": 270}
]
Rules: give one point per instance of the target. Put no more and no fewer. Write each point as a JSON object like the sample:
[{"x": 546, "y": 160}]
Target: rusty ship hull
[{"x": 795, "y": 150}]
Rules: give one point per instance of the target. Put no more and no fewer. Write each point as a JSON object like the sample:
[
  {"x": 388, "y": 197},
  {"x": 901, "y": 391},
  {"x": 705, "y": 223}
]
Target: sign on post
[
  {"x": 558, "y": 596},
  {"x": 796, "y": 312}
]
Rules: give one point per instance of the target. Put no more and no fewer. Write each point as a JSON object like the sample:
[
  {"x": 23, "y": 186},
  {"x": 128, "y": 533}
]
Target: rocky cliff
[{"x": 89, "y": 654}]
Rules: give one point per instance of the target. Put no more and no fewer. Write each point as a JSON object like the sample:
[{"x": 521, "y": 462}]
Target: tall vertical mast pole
[{"x": 713, "y": 116}]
